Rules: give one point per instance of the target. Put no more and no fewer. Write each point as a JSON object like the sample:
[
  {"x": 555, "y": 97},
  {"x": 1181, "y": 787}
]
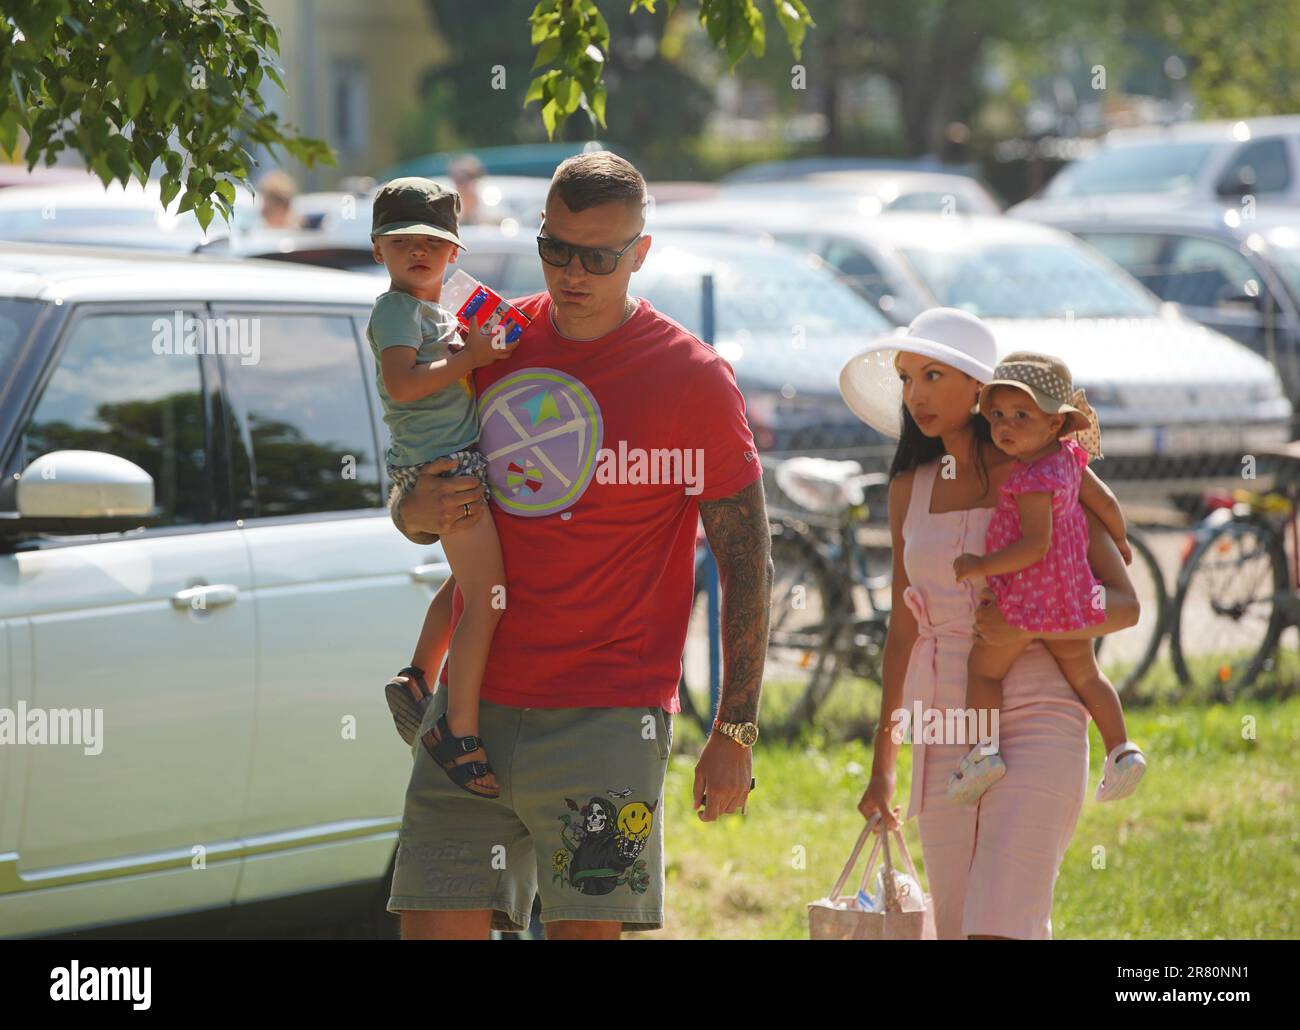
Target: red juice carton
[{"x": 474, "y": 303}]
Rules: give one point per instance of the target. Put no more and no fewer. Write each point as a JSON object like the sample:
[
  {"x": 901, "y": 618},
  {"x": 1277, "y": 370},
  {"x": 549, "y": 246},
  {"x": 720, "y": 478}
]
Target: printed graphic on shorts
[
  {"x": 602, "y": 841},
  {"x": 541, "y": 430}
]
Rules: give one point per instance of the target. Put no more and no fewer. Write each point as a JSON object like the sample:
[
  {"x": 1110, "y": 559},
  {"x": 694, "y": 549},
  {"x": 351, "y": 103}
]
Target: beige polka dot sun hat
[{"x": 1047, "y": 380}]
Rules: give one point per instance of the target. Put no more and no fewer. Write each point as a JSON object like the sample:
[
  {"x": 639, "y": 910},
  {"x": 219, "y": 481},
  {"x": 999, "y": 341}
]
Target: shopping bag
[{"x": 838, "y": 917}]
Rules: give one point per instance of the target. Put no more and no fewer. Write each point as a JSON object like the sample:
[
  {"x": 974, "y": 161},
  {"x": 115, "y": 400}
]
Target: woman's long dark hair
[{"x": 915, "y": 448}]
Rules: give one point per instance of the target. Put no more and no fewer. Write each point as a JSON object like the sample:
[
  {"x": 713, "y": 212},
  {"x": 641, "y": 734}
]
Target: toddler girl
[{"x": 1037, "y": 560}]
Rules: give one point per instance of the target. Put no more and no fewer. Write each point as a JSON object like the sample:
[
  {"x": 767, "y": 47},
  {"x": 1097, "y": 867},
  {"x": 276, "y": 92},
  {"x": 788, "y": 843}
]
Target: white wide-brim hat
[{"x": 869, "y": 382}]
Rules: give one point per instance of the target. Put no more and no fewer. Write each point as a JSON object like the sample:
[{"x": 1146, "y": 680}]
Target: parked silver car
[{"x": 201, "y": 588}]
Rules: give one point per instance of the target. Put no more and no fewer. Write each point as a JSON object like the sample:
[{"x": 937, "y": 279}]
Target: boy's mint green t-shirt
[{"x": 443, "y": 422}]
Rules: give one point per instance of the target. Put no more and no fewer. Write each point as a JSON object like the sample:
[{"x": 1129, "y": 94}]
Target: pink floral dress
[{"x": 1059, "y": 592}]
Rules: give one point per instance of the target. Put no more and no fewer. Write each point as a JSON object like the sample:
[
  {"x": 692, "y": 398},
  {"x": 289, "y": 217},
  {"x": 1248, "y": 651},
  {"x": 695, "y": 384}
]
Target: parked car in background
[
  {"x": 348, "y": 251},
  {"x": 1238, "y": 275},
  {"x": 1178, "y": 403},
  {"x": 196, "y": 546},
  {"x": 784, "y": 321},
  {"x": 1190, "y": 163},
  {"x": 871, "y": 191},
  {"x": 89, "y": 214}
]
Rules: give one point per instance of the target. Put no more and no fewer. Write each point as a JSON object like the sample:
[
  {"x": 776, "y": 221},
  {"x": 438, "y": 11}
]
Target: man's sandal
[
  {"x": 1124, "y": 768},
  {"x": 447, "y": 748},
  {"x": 408, "y": 696}
]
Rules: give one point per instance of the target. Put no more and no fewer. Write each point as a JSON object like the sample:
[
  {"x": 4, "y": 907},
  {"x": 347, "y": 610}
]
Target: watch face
[{"x": 748, "y": 733}]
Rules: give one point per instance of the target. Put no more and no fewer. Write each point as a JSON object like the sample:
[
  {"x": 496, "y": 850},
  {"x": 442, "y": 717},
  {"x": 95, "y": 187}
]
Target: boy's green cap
[{"x": 417, "y": 205}]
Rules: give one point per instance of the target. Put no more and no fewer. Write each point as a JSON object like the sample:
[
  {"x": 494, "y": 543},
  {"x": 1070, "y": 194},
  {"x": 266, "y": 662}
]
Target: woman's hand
[
  {"x": 966, "y": 566},
  {"x": 876, "y": 798},
  {"x": 990, "y": 626}
]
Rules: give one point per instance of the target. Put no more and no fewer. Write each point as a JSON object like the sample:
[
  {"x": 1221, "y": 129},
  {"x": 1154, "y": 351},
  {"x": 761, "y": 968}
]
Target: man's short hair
[{"x": 586, "y": 180}]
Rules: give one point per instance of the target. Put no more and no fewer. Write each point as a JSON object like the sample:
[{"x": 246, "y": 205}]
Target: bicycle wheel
[
  {"x": 1226, "y": 620},
  {"x": 806, "y": 616},
  {"x": 1134, "y": 649}
]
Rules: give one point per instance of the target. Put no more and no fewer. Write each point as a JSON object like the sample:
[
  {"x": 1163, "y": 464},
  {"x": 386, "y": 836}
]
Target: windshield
[
  {"x": 1154, "y": 168},
  {"x": 1028, "y": 280},
  {"x": 772, "y": 290},
  {"x": 16, "y": 318}
]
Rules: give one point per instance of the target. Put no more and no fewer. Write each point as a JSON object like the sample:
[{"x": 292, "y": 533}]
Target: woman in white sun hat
[{"x": 992, "y": 866}]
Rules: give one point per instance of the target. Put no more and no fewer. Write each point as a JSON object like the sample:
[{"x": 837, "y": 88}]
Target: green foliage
[
  {"x": 128, "y": 83},
  {"x": 572, "y": 41}
]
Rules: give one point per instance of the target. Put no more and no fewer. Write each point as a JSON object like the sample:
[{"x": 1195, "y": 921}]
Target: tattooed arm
[{"x": 741, "y": 542}]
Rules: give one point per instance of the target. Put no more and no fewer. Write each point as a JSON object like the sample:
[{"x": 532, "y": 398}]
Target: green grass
[{"x": 1208, "y": 847}]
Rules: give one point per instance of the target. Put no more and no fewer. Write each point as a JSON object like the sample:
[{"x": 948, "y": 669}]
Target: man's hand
[
  {"x": 966, "y": 566},
  {"x": 437, "y": 505},
  {"x": 723, "y": 772},
  {"x": 990, "y": 626}
]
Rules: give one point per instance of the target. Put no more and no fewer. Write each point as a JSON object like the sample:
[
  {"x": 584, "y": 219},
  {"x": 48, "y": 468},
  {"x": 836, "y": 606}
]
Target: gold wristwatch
[{"x": 743, "y": 733}]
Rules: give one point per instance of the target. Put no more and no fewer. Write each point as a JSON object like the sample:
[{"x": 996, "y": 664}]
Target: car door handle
[
  {"x": 203, "y": 597},
  {"x": 434, "y": 572}
]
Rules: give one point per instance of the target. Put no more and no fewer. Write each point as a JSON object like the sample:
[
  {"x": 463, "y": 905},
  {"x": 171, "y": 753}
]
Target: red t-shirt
[{"x": 598, "y": 454}]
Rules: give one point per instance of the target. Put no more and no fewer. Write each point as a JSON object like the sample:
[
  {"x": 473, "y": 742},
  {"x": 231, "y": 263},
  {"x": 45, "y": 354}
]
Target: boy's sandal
[
  {"x": 975, "y": 775},
  {"x": 1124, "y": 768},
  {"x": 448, "y": 748},
  {"x": 408, "y": 701}
]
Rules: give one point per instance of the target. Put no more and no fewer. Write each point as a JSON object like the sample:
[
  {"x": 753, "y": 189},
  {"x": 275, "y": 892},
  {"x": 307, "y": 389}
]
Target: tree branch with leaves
[{"x": 129, "y": 83}]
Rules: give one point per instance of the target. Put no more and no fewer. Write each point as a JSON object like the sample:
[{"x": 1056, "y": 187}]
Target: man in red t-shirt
[{"x": 610, "y": 431}]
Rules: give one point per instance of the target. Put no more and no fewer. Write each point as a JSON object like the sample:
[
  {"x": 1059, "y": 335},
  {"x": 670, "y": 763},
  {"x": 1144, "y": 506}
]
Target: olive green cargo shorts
[{"x": 579, "y": 820}]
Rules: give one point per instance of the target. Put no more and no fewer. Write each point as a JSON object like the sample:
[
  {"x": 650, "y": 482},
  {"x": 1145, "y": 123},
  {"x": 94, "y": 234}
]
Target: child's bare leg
[
  {"x": 985, "y": 668},
  {"x": 1078, "y": 663},
  {"x": 436, "y": 632},
  {"x": 475, "y": 557}
]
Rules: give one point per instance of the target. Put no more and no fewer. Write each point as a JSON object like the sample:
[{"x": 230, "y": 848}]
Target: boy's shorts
[
  {"x": 469, "y": 462},
  {"x": 579, "y": 819}
]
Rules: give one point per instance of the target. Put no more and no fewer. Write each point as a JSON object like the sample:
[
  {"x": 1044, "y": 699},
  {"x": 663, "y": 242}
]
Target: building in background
[{"x": 352, "y": 70}]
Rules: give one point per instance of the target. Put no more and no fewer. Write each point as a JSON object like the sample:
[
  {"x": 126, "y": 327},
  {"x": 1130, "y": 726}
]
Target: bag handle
[
  {"x": 853, "y": 856},
  {"x": 892, "y": 903}
]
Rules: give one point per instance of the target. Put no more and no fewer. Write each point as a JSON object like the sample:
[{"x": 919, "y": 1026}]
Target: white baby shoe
[
  {"x": 1124, "y": 768},
  {"x": 975, "y": 775}
]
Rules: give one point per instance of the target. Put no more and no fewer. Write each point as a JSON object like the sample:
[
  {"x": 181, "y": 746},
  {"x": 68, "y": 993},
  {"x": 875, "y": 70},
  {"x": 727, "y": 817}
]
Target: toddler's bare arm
[{"x": 1098, "y": 498}]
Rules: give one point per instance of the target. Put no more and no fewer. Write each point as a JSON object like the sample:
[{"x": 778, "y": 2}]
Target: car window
[
  {"x": 1028, "y": 280},
  {"x": 762, "y": 290},
  {"x": 124, "y": 385},
  {"x": 300, "y": 402},
  {"x": 1258, "y": 167},
  {"x": 1202, "y": 272},
  {"x": 1164, "y": 167},
  {"x": 16, "y": 319},
  {"x": 1132, "y": 251},
  {"x": 856, "y": 265}
]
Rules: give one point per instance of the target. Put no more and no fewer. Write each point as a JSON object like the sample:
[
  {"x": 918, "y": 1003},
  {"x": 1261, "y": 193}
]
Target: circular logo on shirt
[{"x": 541, "y": 430}]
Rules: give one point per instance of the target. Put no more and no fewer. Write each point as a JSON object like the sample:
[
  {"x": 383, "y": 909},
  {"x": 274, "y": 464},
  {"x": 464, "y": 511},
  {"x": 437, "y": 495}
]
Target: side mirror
[
  {"x": 75, "y": 492},
  {"x": 84, "y": 485}
]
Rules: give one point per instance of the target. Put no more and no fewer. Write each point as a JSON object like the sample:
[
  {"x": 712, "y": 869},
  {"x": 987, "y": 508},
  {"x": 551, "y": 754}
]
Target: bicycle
[
  {"x": 1139, "y": 644},
  {"x": 1238, "y": 590},
  {"x": 829, "y": 600}
]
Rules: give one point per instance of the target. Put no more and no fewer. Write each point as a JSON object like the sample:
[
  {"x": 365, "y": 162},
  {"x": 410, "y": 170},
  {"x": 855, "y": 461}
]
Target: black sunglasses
[{"x": 596, "y": 260}]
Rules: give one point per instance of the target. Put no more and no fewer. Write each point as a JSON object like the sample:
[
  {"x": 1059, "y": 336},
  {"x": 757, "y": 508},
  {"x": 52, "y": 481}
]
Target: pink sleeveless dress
[{"x": 991, "y": 867}]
